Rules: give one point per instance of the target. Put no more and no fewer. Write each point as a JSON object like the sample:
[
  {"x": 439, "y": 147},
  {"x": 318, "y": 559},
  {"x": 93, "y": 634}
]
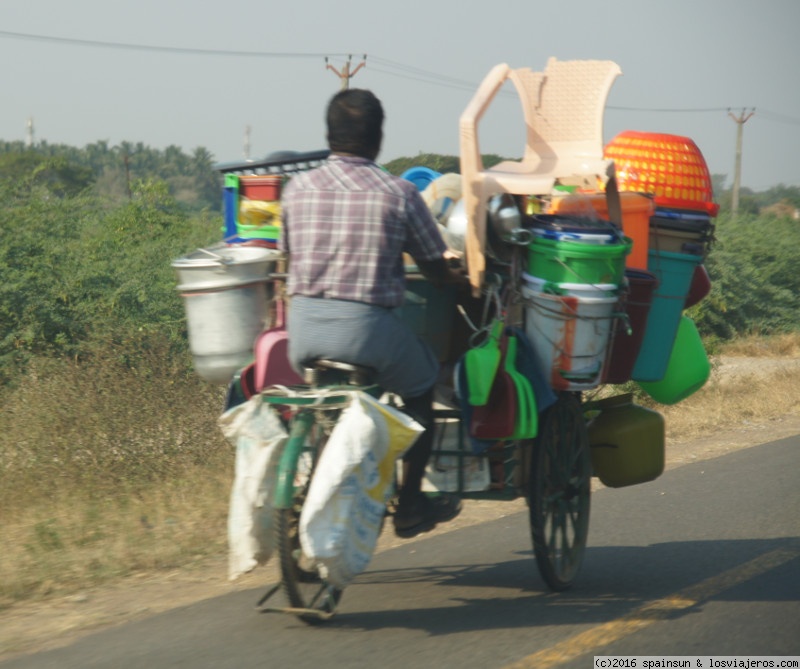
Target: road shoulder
[{"x": 39, "y": 626}]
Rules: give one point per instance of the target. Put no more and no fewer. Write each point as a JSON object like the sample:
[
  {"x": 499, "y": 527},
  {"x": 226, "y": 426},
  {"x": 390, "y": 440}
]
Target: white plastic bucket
[
  {"x": 570, "y": 336},
  {"x": 539, "y": 285}
]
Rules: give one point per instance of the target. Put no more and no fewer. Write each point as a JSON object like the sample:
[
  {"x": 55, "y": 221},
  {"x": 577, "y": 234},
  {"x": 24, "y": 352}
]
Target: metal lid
[{"x": 225, "y": 255}]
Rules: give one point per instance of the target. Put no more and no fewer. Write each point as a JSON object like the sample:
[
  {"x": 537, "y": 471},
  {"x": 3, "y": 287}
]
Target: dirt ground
[{"x": 36, "y": 626}]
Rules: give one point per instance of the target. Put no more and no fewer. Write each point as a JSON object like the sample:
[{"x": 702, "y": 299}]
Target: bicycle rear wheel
[
  {"x": 311, "y": 598},
  {"x": 559, "y": 489}
]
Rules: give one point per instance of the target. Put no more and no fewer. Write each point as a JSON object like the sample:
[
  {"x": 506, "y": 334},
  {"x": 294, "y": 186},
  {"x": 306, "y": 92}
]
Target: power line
[
  {"x": 163, "y": 49},
  {"x": 432, "y": 82},
  {"x": 390, "y": 67},
  {"x": 426, "y": 74},
  {"x": 780, "y": 118},
  {"x": 664, "y": 109}
]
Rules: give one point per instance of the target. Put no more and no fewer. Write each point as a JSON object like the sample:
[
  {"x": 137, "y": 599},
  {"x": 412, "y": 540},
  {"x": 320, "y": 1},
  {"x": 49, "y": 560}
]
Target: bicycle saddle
[{"x": 324, "y": 371}]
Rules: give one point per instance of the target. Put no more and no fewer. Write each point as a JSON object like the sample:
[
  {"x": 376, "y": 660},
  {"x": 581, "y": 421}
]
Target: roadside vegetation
[{"x": 111, "y": 461}]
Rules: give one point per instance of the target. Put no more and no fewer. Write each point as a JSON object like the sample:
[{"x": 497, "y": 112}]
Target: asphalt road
[{"x": 703, "y": 561}]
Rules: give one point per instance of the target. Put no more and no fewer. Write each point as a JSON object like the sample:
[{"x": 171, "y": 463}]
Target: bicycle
[
  {"x": 310, "y": 414},
  {"x": 553, "y": 472}
]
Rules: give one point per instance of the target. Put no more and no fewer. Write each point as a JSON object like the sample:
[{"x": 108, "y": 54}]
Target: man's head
[{"x": 355, "y": 123}]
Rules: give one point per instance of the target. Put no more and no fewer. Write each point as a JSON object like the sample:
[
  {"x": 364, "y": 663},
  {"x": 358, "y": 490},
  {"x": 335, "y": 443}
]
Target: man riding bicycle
[{"x": 346, "y": 226}]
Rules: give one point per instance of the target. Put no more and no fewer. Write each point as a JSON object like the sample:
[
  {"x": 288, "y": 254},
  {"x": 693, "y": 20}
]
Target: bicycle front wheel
[
  {"x": 559, "y": 489},
  {"x": 311, "y": 598}
]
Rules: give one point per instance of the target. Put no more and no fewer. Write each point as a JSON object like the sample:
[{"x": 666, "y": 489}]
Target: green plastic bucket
[
  {"x": 562, "y": 261},
  {"x": 688, "y": 368},
  {"x": 674, "y": 272}
]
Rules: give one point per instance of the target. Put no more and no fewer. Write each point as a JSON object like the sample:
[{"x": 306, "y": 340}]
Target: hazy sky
[{"x": 684, "y": 64}]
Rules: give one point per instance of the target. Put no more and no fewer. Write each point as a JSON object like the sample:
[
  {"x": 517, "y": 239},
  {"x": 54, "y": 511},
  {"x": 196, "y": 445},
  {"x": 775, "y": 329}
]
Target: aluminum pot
[{"x": 223, "y": 266}]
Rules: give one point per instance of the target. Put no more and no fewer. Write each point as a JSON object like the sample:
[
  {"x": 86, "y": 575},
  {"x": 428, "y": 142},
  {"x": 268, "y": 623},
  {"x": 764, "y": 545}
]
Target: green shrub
[
  {"x": 754, "y": 277},
  {"x": 75, "y": 272}
]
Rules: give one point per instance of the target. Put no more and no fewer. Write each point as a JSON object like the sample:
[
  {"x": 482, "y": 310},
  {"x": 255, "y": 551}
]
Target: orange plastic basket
[{"x": 668, "y": 167}]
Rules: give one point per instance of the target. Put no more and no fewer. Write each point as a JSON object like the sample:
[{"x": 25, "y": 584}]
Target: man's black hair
[{"x": 355, "y": 123}]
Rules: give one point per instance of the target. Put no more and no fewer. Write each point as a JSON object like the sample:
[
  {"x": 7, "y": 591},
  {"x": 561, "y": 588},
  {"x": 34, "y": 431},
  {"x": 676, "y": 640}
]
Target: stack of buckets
[
  {"x": 671, "y": 363},
  {"x": 226, "y": 291},
  {"x": 252, "y": 210},
  {"x": 639, "y": 283},
  {"x": 571, "y": 288}
]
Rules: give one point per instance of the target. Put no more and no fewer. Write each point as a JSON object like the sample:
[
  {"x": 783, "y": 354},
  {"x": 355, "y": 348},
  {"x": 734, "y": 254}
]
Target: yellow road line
[{"x": 593, "y": 640}]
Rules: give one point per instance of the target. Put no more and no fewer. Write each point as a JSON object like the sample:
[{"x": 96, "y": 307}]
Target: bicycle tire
[
  {"x": 311, "y": 598},
  {"x": 559, "y": 492}
]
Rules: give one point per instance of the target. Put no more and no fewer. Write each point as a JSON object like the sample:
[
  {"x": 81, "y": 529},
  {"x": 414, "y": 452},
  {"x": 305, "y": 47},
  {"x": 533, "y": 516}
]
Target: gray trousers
[{"x": 361, "y": 334}]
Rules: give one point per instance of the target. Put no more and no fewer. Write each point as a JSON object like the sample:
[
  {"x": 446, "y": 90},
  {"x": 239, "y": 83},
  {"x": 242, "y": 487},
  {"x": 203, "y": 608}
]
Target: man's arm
[{"x": 440, "y": 273}]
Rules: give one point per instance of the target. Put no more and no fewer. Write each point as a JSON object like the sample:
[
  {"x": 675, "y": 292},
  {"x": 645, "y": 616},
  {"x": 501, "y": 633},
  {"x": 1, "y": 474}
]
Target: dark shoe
[{"x": 423, "y": 513}]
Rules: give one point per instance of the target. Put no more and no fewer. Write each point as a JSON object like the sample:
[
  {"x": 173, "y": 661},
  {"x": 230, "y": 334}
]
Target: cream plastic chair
[{"x": 563, "y": 109}]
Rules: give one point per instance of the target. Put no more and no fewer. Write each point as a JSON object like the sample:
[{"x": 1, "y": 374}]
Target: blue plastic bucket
[
  {"x": 674, "y": 273},
  {"x": 420, "y": 176}
]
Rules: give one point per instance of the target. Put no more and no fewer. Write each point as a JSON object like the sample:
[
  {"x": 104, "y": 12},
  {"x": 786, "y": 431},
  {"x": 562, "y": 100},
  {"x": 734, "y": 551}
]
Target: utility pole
[
  {"x": 346, "y": 74},
  {"x": 29, "y": 141},
  {"x": 737, "y": 174},
  {"x": 247, "y": 143}
]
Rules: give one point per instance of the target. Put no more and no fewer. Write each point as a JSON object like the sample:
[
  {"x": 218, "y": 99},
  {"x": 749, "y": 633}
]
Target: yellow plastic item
[
  {"x": 563, "y": 109},
  {"x": 259, "y": 212},
  {"x": 626, "y": 440}
]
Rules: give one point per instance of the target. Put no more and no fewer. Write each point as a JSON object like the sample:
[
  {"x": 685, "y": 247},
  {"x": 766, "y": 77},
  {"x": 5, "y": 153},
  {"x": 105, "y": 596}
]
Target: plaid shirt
[{"x": 346, "y": 225}]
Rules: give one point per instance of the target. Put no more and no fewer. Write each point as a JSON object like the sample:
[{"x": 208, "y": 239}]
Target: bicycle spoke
[
  {"x": 311, "y": 598},
  {"x": 559, "y": 493}
]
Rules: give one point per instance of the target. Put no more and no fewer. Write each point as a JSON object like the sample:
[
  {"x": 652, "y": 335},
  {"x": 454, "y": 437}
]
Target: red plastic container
[
  {"x": 625, "y": 347},
  {"x": 260, "y": 187},
  {"x": 699, "y": 288}
]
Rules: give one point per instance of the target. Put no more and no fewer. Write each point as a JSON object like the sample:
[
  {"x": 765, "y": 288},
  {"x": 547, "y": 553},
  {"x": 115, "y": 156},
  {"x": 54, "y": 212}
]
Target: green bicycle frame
[
  {"x": 287, "y": 467},
  {"x": 301, "y": 424}
]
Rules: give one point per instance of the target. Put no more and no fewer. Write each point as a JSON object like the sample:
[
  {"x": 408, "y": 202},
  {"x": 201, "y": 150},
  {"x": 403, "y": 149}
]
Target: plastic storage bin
[
  {"x": 637, "y": 209},
  {"x": 681, "y": 232},
  {"x": 261, "y": 187}
]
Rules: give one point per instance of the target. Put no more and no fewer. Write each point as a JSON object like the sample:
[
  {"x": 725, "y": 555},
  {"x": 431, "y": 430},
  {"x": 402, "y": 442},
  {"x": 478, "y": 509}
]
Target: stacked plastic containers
[
  {"x": 252, "y": 210},
  {"x": 637, "y": 288},
  {"x": 571, "y": 288},
  {"x": 671, "y": 363}
]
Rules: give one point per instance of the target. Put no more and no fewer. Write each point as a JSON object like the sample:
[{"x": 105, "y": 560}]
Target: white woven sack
[
  {"x": 256, "y": 431},
  {"x": 346, "y": 502}
]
